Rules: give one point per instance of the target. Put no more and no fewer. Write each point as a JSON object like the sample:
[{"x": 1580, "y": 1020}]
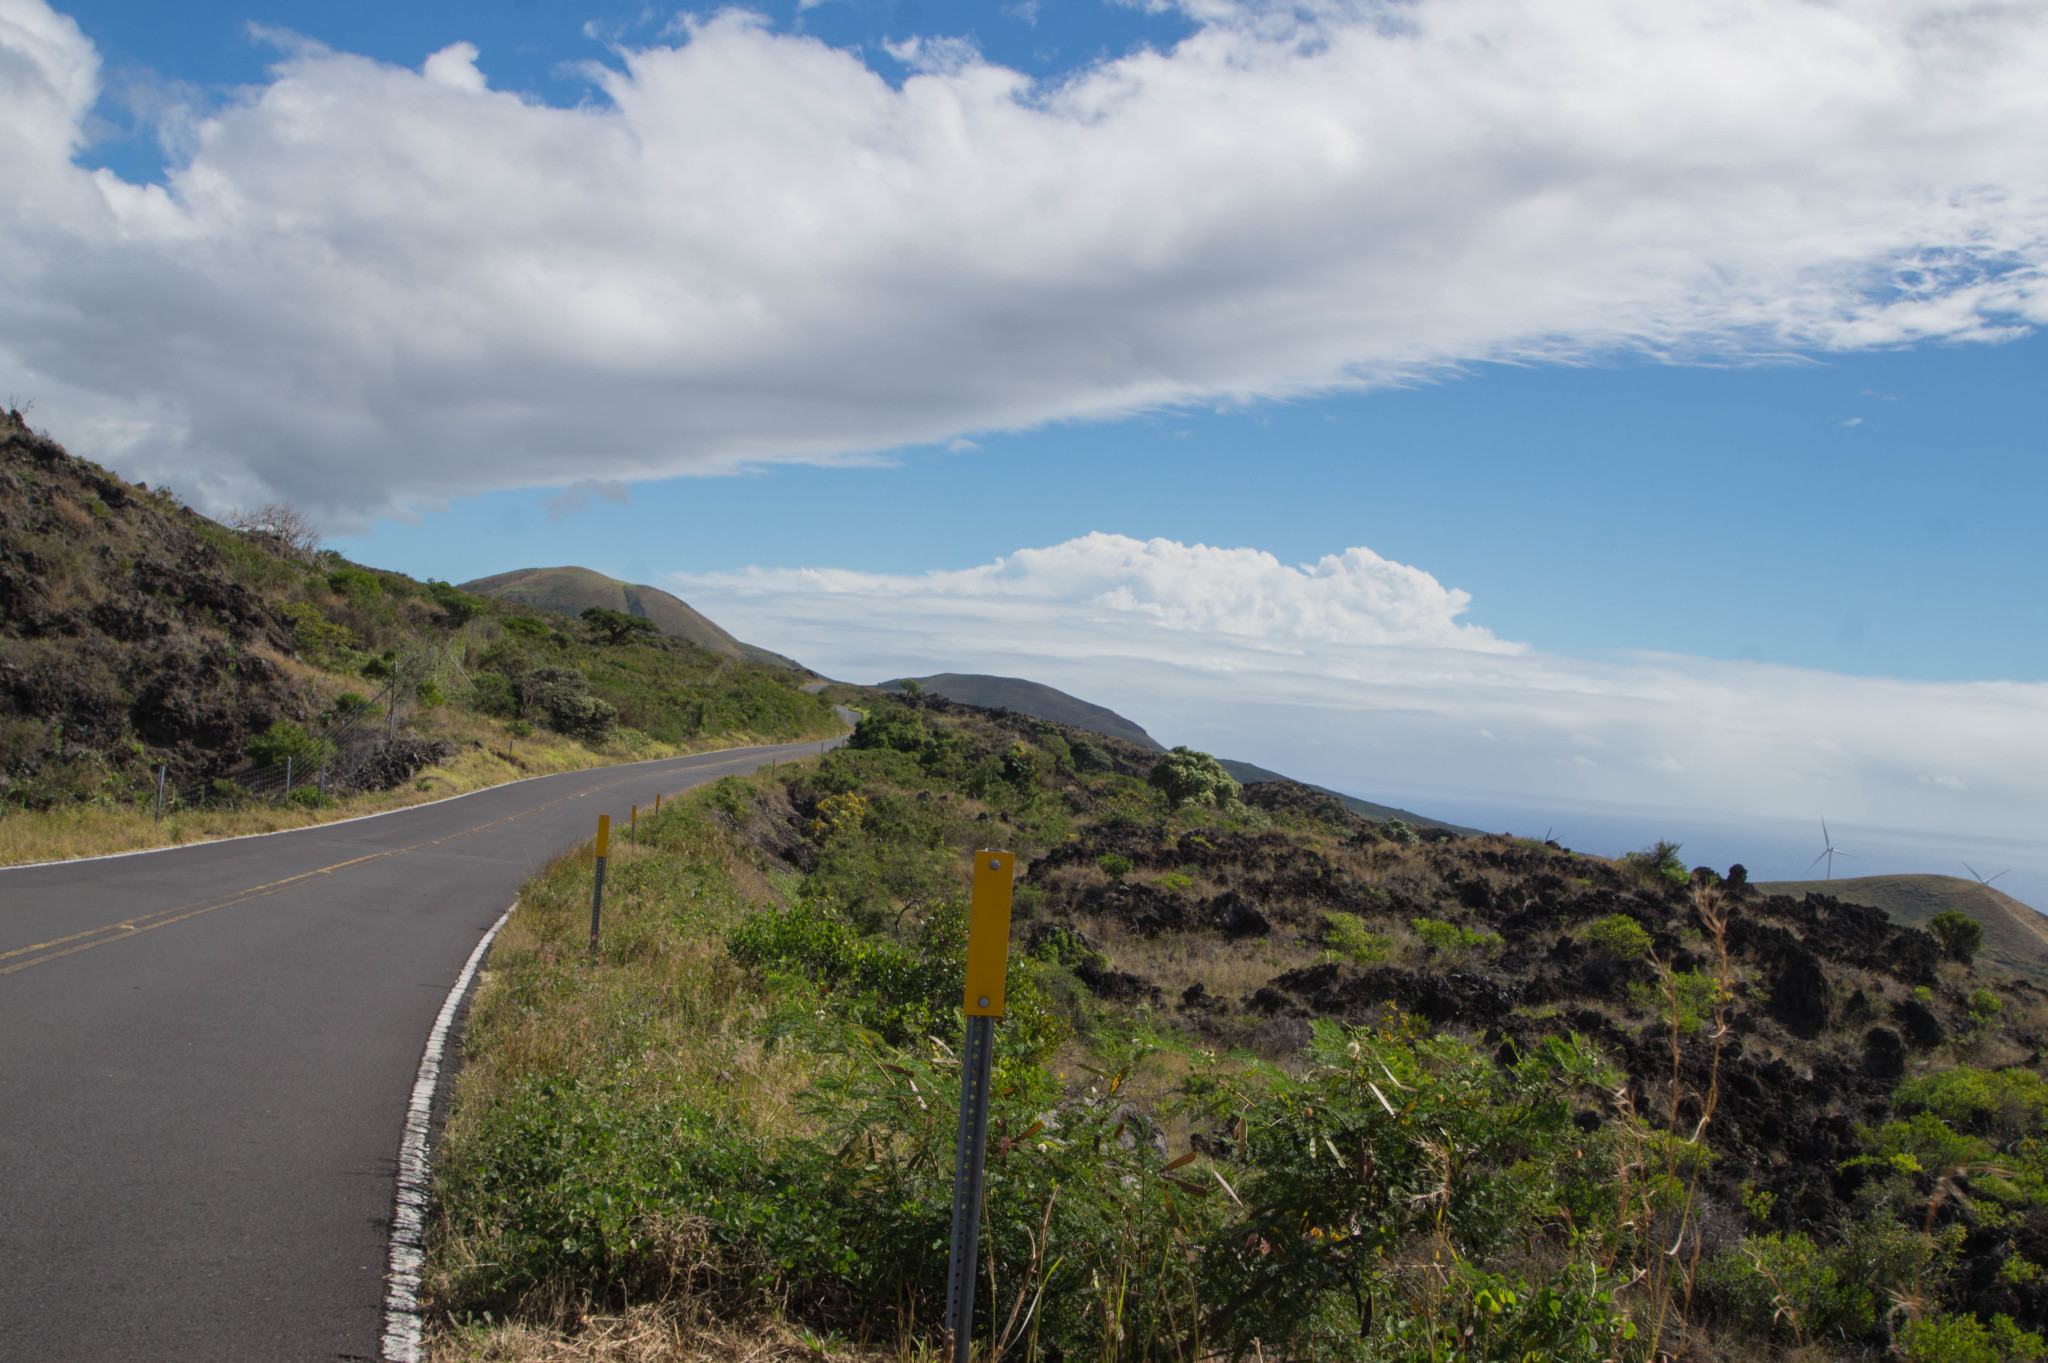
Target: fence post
[
  {"x": 988, "y": 953},
  {"x": 287, "y": 777},
  {"x": 604, "y": 838},
  {"x": 323, "y": 782},
  {"x": 633, "y": 827},
  {"x": 163, "y": 770}
]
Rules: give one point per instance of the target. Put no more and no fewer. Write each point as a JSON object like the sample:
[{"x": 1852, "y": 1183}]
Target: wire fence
[{"x": 351, "y": 741}]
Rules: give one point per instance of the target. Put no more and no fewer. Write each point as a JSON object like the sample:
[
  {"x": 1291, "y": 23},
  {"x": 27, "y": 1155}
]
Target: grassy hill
[
  {"x": 2015, "y": 935},
  {"x": 137, "y": 634},
  {"x": 1030, "y": 698},
  {"x": 1246, "y": 774},
  {"x": 571, "y": 591}
]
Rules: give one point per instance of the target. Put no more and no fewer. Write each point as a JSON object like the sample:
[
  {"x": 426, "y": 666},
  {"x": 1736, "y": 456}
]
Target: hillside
[
  {"x": 1245, "y": 773},
  {"x": 1030, "y": 698},
  {"x": 571, "y": 591},
  {"x": 2015, "y": 935},
  {"x": 1328, "y": 1087},
  {"x": 1044, "y": 702},
  {"x": 136, "y": 633}
]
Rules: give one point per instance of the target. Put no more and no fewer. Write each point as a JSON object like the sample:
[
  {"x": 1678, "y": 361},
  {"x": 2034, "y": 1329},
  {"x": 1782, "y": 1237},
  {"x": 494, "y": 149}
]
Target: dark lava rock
[
  {"x": 1336, "y": 990},
  {"x": 397, "y": 761},
  {"x": 1799, "y": 993},
  {"x": 1234, "y": 916},
  {"x": 1119, "y": 985},
  {"x": 1884, "y": 1055},
  {"x": 1922, "y": 1028}
]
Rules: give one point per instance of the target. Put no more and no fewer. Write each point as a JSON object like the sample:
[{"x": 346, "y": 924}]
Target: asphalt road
[{"x": 205, "y": 1059}]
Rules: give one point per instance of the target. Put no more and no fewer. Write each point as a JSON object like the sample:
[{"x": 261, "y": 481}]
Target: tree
[
  {"x": 1193, "y": 778},
  {"x": 617, "y": 626},
  {"x": 291, "y": 529},
  {"x": 460, "y": 606},
  {"x": 1959, "y": 934}
]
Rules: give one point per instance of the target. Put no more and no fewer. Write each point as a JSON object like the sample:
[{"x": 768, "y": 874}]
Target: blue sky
[{"x": 1521, "y": 406}]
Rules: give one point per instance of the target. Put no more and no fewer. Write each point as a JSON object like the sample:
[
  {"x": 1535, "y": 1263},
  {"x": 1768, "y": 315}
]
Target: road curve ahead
[{"x": 206, "y": 1055}]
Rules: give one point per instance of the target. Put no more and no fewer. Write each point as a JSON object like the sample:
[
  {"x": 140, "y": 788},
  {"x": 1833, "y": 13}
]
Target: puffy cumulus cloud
[
  {"x": 369, "y": 284},
  {"x": 1355, "y": 672}
]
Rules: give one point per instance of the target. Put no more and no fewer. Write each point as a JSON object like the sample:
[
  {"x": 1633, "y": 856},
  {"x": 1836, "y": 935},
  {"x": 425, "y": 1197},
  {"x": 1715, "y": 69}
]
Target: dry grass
[
  {"x": 488, "y": 755},
  {"x": 660, "y": 1333}
]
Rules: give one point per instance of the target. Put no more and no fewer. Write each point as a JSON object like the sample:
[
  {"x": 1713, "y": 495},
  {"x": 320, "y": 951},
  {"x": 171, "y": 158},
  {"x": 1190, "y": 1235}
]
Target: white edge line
[
  {"x": 407, "y": 809},
  {"x": 409, "y": 1218}
]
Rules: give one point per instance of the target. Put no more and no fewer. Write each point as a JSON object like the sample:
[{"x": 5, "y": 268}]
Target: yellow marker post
[
  {"x": 633, "y": 828},
  {"x": 604, "y": 842},
  {"x": 988, "y": 958},
  {"x": 988, "y": 932}
]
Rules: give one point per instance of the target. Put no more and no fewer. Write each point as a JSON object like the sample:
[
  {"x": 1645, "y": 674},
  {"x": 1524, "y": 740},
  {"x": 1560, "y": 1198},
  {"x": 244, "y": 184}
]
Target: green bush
[
  {"x": 1115, "y": 865},
  {"x": 561, "y": 695},
  {"x": 1959, "y": 934},
  {"x": 288, "y": 739},
  {"x": 1187, "y": 777},
  {"x": 1620, "y": 936},
  {"x": 1985, "y": 1005},
  {"x": 1965, "y": 1339},
  {"x": 1658, "y": 864},
  {"x": 1399, "y": 832},
  {"x": 358, "y": 585},
  {"x": 1348, "y": 936},
  {"x": 1449, "y": 939},
  {"x": 1789, "y": 1284},
  {"x": 1696, "y": 995},
  {"x": 309, "y": 797}
]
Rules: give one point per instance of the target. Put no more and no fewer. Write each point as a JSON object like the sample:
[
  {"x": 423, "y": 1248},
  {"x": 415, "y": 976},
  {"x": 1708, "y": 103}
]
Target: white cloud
[
  {"x": 576, "y": 497},
  {"x": 371, "y": 284},
  {"x": 1356, "y": 672},
  {"x": 454, "y": 66}
]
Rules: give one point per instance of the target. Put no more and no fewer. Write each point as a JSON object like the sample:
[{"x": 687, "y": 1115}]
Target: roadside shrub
[
  {"x": 490, "y": 693},
  {"x": 459, "y": 606},
  {"x": 1620, "y": 936},
  {"x": 287, "y": 738},
  {"x": 562, "y": 696},
  {"x": 838, "y": 814},
  {"x": 1348, "y": 936},
  {"x": 1985, "y": 1005},
  {"x": 901, "y": 991},
  {"x": 1115, "y": 865},
  {"x": 528, "y": 627},
  {"x": 309, "y": 797}
]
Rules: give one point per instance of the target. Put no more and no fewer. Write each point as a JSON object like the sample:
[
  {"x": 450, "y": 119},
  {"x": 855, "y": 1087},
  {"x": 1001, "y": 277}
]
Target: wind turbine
[
  {"x": 1980, "y": 879},
  {"x": 1829, "y": 851}
]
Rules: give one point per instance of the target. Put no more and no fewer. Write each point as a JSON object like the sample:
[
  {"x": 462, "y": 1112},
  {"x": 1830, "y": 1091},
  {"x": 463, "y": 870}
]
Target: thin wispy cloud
[
  {"x": 369, "y": 285},
  {"x": 1359, "y": 672}
]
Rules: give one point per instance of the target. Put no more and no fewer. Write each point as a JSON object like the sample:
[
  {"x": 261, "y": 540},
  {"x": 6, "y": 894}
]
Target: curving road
[{"x": 206, "y": 1055}]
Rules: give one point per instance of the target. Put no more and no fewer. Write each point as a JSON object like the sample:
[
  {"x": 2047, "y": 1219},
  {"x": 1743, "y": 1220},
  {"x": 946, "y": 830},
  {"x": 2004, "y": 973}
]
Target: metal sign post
[
  {"x": 604, "y": 842},
  {"x": 162, "y": 771},
  {"x": 988, "y": 958}
]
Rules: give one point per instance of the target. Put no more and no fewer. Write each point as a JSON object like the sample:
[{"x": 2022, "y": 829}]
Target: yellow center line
[{"x": 123, "y": 929}]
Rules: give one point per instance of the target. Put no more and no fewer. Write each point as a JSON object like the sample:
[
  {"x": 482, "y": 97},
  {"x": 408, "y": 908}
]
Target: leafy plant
[
  {"x": 1348, "y": 936},
  {"x": 1450, "y": 939},
  {"x": 1658, "y": 864},
  {"x": 617, "y": 627},
  {"x": 286, "y": 740},
  {"x": 1187, "y": 777},
  {"x": 1959, "y": 934},
  {"x": 1620, "y": 936}
]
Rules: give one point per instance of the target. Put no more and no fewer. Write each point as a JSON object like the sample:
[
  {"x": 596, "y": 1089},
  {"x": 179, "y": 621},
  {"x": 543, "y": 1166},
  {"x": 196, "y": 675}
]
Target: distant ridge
[
  {"x": 1245, "y": 774},
  {"x": 1030, "y": 698},
  {"x": 2015, "y": 934},
  {"x": 575, "y": 590},
  {"x": 1044, "y": 702}
]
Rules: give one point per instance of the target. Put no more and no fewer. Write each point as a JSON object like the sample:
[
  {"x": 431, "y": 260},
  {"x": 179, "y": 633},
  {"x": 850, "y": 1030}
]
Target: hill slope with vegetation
[
  {"x": 2015, "y": 934},
  {"x": 138, "y": 636},
  {"x": 571, "y": 591},
  {"x": 1276, "y": 1081}
]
